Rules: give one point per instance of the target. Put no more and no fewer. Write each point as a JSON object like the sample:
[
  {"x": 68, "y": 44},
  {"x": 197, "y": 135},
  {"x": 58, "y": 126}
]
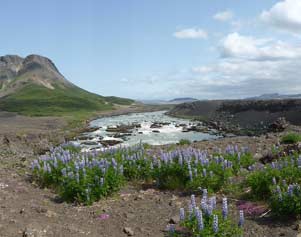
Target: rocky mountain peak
[
  {"x": 39, "y": 61},
  {"x": 17, "y": 72},
  {"x": 11, "y": 60}
]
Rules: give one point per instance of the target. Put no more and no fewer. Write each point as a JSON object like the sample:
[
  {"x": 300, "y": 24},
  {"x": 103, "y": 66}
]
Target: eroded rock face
[{"x": 244, "y": 117}]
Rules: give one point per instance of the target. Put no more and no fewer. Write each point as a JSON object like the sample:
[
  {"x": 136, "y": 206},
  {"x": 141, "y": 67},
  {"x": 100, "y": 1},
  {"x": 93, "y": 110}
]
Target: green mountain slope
[{"x": 33, "y": 86}]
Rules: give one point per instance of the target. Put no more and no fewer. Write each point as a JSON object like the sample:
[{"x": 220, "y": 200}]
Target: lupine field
[{"x": 86, "y": 177}]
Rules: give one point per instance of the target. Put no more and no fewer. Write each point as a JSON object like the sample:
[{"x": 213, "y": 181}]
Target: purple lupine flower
[
  {"x": 241, "y": 218},
  {"x": 171, "y": 228},
  {"x": 205, "y": 194},
  {"x": 215, "y": 223},
  {"x": 70, "y": 175},
  {"x": 209, "y": 209},
  {"x": 64, "y": 172},
  {"x": 77, "y": 177},
  {"x": 225, "y": 208},
  {"x": 274, "y": 181},
  {"x": 204, "y": 172},
  {"x": 190, "y": 175},
  {"x": 121, "y": 169},
  {"x": 193, "y": 203},
  {"x": 180, "y": 160},
  {"x": 204, "y": 205},
  {"x": 238, "y": 157},
  {"x": 84, "y": 172},
  {"x": 199, "y": 217},
  {"x": 48, "y": 168},
  {"x": 195, "y": 172},
  {"x": 182, "y": 214},
  {"x": 290, "y": 190},
  {"x": 213, "y": 201},
  {"x": 190, "y": 211},
  {"x": 45, "y": 167},
  {"x": 151, "y": 165}
]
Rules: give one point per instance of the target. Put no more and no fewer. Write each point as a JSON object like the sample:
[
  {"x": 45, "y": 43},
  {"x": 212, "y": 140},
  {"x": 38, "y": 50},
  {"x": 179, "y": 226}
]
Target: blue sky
[{"x": 162, "y": 49}]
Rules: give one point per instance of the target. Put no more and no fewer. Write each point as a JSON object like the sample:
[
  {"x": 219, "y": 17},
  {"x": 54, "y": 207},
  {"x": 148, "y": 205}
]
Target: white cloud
[
  {"x": 284, "y": 15},
  {"x": 235, "y": 45},
  {"x": 223, "y": 16},
  {"x": 249, "y": 66},
  {"x": 191, "y": 33}
]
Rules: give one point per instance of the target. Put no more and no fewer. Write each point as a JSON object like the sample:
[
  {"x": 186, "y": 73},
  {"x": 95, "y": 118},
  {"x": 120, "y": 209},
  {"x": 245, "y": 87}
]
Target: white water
[{"x": 168, "y": 134}]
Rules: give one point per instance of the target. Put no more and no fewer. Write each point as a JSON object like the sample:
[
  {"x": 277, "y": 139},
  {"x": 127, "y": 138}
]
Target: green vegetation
[
  {"x": 186, "y": 169},
  {"x": 291, "y": 138},
  {"x": 34, "y": 100},
  {"x": 286, "y": 200},
  {"x": 225, "y": 227},
  {"x": 184, "y": 142}
]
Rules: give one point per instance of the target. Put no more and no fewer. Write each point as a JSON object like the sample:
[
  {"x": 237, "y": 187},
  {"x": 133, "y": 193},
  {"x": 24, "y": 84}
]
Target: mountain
[
  {"x": 34, "y": 86},
  {"x": 275, "y": 96},
  {"x": 173, "y": 101},
  {"x": 182, "y": 100}
]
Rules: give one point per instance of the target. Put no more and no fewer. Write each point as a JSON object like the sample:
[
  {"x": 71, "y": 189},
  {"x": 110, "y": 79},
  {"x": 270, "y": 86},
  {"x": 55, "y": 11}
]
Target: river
[{"x": 154, "y": 128}]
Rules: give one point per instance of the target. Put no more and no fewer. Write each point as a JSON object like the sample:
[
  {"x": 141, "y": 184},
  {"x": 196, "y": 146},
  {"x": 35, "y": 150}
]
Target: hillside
[
  {"x": 242, "y": 116},
  {"x": 34, "y": 86}
]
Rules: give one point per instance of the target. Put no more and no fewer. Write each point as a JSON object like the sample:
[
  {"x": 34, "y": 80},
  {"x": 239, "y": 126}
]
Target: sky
[{"x": 142, "y": 49}]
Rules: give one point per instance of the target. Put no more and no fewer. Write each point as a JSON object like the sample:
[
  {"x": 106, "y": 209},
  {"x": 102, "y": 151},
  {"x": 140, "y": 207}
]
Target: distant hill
[
  {"x": 275, "y": 96},
  {"x": 34, "y": 86},
  {"x": 182, "y": 100},
  {"x": 173, "y": 101}
]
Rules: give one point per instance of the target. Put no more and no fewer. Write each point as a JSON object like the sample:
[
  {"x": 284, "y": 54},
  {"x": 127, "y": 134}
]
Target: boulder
[
  {"x": 279, "y": 125},
  {"x": 107, "y": 143}
]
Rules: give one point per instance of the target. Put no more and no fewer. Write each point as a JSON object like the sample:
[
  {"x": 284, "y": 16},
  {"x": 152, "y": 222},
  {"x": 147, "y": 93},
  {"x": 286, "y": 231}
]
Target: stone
[
  {"x": 50, "y": 214},
  {"x": 28, "y": 233},
  {"x": 174, "y": 220},
  {"x": 279, "y": 125},
  {"x": 139, "y": 197},
  {"x": 107, "y": 143},
  {"x": 156, "y": 125},
  {"x": 298, "y": 227},
  {"x": 258, "y": 156},
  {"x": 128, "y": 231}
]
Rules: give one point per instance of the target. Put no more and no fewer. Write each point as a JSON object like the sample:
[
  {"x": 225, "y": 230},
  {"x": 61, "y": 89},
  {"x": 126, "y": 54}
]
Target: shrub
[
  {"x": 207, "y": 220},
  {"x": 286, "y": 200},
  {"x": 260, "y": 181},
  {"x": 184, "y": 142},
  {"x": 291, "y": 138}
]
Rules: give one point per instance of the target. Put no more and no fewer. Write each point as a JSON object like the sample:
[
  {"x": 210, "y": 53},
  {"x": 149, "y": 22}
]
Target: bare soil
[{"x": 27, "y": 210}]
